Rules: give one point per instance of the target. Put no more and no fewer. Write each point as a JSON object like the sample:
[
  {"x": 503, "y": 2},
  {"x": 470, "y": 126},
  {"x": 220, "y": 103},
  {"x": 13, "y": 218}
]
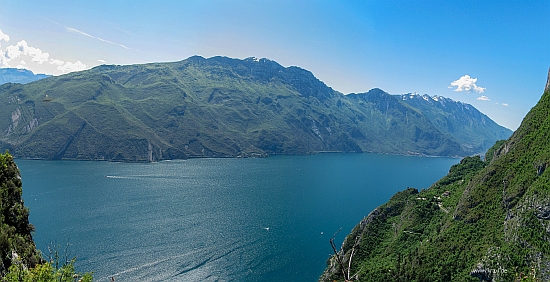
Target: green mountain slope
[
  {"x": 216, "y": 107},
  {"x": 484, "y": 221}
]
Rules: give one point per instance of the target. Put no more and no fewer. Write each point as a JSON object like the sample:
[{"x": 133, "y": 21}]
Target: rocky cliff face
[{"x": 484, "y": 221}]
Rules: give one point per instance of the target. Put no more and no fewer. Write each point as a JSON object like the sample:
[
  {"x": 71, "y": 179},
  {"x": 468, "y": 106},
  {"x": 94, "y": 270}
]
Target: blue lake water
[{"x": 212, "y": 219}]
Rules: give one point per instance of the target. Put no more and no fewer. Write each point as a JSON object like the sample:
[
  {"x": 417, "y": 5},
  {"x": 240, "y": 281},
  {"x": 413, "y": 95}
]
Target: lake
[{"x": 267, "y": 219}]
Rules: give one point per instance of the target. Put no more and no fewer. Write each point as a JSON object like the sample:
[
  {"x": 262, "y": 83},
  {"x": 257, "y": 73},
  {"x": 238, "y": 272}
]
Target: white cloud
[
  {"x": 22, "y": 48},
  {"x": 36, "y": 56},
  {"x": 102, "y": 61},
  {"x": 4, "y": 36},
  {"x": 483, "y": 98},
  {"x": 505, "y": 104},
  {"x": 70, "y": 67},
  {"x": 466, "y": 83},
  {"x": 56, "y": 62},
  {"x": 4, "y": 62}
]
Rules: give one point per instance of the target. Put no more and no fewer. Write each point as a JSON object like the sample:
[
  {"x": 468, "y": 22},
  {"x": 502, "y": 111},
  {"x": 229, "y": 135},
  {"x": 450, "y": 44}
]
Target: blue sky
[{"x": 352, "y": 46}]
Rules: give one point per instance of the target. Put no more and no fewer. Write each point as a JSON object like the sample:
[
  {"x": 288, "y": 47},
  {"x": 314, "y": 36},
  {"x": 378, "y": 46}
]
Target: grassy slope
[{"x": 492, "y": 225}]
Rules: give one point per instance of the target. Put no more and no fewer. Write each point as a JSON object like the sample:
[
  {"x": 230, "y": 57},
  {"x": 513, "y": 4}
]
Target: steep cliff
[{"x": 486, "y": 220}]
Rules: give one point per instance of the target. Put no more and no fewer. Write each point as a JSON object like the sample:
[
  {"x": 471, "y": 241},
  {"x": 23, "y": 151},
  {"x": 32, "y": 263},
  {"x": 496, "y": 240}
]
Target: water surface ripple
[{"x": 212, "y": 219}]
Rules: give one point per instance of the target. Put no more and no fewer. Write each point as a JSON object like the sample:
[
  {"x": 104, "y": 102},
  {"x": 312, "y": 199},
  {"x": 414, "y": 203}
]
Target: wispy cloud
[
  {"x": 78, "y": 31},
  {"x": 110, "y": 42},
  {"x": 74, "y": 30},
  {"x": 483, "y": 98},
  {"x": 94, "y": 37},
  {"x": 505, "y": 104},
  {"x": 102, "y": 61},
  {"x": 466, "y": 83}
]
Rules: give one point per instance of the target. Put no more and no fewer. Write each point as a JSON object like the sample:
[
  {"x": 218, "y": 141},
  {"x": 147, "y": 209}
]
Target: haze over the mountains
[{"x": 15, "y": 75}]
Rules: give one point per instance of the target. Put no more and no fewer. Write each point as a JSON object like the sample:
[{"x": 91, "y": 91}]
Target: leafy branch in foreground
[
  {"x": 46, "y": 272},
  {"x": 56, "y": 267}
]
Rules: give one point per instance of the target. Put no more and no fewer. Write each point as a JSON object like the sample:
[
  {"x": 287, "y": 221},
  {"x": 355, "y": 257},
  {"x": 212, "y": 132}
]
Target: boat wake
[
  {"x": 201, "y": 264},
  {"x": 149, "y": 176}
]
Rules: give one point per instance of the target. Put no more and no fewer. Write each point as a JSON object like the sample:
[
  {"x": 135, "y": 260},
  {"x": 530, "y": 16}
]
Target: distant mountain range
[
  {"x": 475, "y": 131},
  {"x": 223, "y": 107},
  {"x": 19, "y": 76}
]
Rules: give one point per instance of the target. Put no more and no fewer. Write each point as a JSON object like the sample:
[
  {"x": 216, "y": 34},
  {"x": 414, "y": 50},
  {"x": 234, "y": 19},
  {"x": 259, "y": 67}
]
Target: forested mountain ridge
[
  {"x": 216, "y": 107},
  {"x": 484, "y": 221}
]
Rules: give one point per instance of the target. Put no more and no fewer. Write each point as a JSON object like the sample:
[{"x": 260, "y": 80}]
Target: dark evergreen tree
[{"x": 16, "y": 243}]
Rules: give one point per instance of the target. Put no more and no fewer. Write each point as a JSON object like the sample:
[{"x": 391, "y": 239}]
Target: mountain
[
  {"x": 216, "y": 107},
  {"x": 19, "y": 76},
  {"x": 485, "y": 221},
  {"x": 474, "y": 130}
]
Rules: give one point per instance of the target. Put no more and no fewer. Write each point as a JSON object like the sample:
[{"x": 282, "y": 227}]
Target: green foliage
[
  {"x": 490, "y": 154},
  {"x": 15, "y": 232},
  {"x": 463, "y": 170},
  {"x": 217, "y": 107},
  {"x": 483, "y": 221},
  {"x": 45, "y": 272}
]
